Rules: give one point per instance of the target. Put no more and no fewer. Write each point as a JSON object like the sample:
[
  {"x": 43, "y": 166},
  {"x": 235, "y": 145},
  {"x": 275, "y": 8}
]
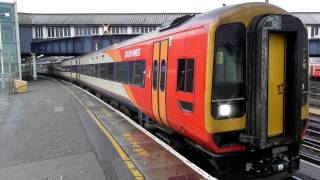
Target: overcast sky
[{"x": 130, "y": 6}]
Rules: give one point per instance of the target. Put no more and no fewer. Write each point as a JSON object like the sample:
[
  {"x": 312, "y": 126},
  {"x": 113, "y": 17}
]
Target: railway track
[
  {"x": 311, "y": 143},
  {"x": 314, "y": 94}
]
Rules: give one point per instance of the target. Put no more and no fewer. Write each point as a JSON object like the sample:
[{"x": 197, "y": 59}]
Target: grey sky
[{"x": 127, "y": 6}]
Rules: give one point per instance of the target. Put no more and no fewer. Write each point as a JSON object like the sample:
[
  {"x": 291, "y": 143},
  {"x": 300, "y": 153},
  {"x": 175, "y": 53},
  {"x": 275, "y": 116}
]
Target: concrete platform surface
[
  {"x": 77, "y": 167},
  {"x": 58, "y": 131},
  {"x": 47, "y": 133}
]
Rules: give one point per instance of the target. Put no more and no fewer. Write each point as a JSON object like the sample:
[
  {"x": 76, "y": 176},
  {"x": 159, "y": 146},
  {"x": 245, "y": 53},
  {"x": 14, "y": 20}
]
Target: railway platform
[{"x": 59, "y": 131}]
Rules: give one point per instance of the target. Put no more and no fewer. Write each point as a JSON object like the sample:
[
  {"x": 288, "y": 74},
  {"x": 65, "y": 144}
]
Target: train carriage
[{"x": 232, "y": 82}]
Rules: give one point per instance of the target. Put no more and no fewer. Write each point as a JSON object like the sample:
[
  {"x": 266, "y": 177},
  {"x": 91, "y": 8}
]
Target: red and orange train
[{"x": 232, "y": 82}]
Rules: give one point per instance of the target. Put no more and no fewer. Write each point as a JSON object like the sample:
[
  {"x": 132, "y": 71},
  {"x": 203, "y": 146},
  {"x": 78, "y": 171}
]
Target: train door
[
  {"x": 276, "y": 83},
  {"x": 159, "y": 79}
]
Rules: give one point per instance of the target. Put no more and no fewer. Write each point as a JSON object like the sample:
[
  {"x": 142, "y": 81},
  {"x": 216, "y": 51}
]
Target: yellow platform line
[{"x": 131, "y": 166}]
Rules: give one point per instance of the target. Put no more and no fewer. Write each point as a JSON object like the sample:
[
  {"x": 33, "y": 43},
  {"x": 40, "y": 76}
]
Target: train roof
[{"x": 199, "y": 19}]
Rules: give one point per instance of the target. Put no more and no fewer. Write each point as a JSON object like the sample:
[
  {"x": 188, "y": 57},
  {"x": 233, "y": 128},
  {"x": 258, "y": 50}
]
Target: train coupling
[{"x": 257, "y": 167}]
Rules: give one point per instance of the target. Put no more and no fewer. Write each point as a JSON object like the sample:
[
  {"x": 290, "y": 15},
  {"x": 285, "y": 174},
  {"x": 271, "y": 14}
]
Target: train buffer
[{"x": 59, "y": 131}]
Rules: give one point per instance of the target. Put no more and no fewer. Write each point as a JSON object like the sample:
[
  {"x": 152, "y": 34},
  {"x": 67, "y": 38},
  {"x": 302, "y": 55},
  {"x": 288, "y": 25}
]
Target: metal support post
[
  {"x": 17, "y": 39},
  {"x": 34, "y": 66},
  {"x": 1, "y": 59}
]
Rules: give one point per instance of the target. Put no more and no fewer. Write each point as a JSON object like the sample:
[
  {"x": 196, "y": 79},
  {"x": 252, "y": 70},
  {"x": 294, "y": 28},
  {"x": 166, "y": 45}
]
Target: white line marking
[
  {"x": 167, "y": 147},
  {"x": 309, "y": 163}
]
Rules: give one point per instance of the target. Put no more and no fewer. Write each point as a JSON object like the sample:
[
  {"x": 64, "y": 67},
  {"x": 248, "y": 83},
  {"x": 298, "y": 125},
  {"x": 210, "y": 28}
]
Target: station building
[
  {"x": 312, "y": 22},
  {"x": 75, "y": 34},
  {"x": 59, "y": 35}
]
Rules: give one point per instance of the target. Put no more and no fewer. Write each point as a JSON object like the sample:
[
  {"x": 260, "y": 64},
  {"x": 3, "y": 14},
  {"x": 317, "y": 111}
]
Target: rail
[
  {"x": 314, "y": 94},
  {"x": 311, "y": 143}
]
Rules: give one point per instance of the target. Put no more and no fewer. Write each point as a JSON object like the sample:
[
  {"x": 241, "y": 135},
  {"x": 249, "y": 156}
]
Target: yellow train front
[{"x": 259, "y": 89}]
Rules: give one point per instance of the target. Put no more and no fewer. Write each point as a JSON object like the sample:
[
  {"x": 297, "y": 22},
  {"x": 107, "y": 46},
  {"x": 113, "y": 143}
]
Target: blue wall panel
[
  {"x": 87, "y": 46},
  {"x": 314, "y": 47},
  {"x": 76, "y": 45},
  {"x": 25, "y": 39}
]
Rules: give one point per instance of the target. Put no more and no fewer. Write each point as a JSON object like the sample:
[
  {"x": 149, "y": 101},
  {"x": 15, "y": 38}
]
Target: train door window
[
  {"x": 154, "y": 75},
  {"x": 228, "y": 76},
  {"x": 122, "y": 69},
  {"x": 312, "y": 31},
  {"x": 163, "y": 69},
  {"x": 110, "y": 71},
  {"x": 103, "y": 71},
  {"x": 185, "y": 77},
  {"x": 137, "y": 72}
]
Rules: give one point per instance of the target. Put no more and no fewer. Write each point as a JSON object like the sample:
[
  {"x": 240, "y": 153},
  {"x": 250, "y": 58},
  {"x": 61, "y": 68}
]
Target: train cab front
[{"x": 259, "y": 94}]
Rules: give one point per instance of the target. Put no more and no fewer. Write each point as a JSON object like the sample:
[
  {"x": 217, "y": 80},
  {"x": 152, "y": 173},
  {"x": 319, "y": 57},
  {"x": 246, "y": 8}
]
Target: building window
[
  {"x": 118, "y": 30},
  {"x": 86, "y": 31},
  {"x": 78, "y": 31},
  {"x": 39, "y": 33},
  {"x": 185, "y": 75},
  {"x": 142, "y": 30},
  {"x": 56, "y": 32},
  {"x": 51, "y": 32},
  {"x": 66, "y": 31},
  {"x": 94, "y": 30}
]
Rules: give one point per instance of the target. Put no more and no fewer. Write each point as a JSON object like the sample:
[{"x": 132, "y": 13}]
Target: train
[
  {"x": 314, "y": 71},
  {"x": 231, "y": 83}
]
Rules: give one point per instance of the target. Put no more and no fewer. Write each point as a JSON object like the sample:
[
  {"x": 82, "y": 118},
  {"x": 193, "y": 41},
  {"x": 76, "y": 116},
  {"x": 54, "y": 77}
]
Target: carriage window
[
  {"x": 92, "y": 70},
  {"x": 185, "y": 77},
  {"x": 228, "y": 77},
  {"x": 97, "y": 70},
  {"x": 137, "y": 72},
  {"x": 103, "y": 71},
  {"x": 110, "y": 72},
  {"x": 122, "y": 70}
]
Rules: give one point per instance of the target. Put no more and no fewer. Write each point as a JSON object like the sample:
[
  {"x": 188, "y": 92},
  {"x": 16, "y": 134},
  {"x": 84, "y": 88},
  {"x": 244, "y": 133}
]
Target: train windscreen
[{"x": 228, "y": 98}]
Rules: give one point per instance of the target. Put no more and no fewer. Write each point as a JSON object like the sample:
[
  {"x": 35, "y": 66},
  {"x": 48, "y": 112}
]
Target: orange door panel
[
  {"x": 155, "y": 80},
  {"x": 159, "y": 79},
  {"x": 163, "y": 81}
]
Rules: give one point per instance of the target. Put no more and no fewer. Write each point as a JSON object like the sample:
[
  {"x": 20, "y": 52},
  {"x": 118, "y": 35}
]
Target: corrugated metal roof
[
  {"x": 113, "y": 19},
  {"x": 308, "y": 17}
]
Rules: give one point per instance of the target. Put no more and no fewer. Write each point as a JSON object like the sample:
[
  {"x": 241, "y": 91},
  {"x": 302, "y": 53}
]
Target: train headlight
[{"x": 224, "y": 110}]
